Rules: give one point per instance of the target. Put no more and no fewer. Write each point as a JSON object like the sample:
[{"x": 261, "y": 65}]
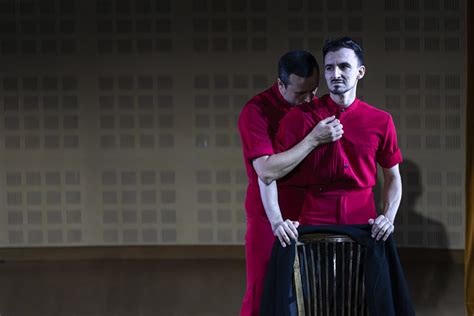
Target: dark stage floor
[{"x": 175, "y": 287}]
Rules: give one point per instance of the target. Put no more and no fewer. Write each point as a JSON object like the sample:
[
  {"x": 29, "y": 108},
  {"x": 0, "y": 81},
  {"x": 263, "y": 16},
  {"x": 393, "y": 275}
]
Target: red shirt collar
[
  {"x": 335, "y": 108},
  {"x": 281, "y": 100}
]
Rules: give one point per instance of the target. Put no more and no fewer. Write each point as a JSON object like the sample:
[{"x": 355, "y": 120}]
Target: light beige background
[{"x": 118, "y": 118}]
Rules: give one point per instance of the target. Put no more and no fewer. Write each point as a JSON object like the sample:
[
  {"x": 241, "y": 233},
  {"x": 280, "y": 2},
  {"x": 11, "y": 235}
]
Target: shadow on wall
[{"x": 413, "y": 229}]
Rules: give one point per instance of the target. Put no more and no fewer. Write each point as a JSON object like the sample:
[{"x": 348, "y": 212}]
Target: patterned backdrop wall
[{"x": 118, "y": 117}]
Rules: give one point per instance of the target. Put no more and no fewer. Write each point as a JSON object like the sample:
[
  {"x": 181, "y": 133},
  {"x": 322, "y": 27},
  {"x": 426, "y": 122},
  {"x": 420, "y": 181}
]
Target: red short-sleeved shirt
[
  {"x": 349, "y": 163},
  {"x": 258, "y": 124}
]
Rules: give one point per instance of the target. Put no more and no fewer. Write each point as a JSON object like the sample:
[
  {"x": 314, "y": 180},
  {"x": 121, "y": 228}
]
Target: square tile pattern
[{"x": 118, "y": 121}]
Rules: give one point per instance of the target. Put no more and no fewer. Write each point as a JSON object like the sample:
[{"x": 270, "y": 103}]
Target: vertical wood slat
[
  {"x": 343, "y": 272},
  {"x": 298, "y": 284}
]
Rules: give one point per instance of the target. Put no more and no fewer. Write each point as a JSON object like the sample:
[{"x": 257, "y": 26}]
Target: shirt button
[
  {"x": 346, "y": 166},
  {"x": 342, "y": 110},
  {"x": 320, "y": 189}
]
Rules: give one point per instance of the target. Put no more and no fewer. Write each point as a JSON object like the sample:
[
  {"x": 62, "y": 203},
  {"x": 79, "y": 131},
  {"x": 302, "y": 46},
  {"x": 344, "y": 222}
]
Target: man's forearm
[
  {"x": 271, "y": 168},
  {"x": 269, "y": 195},
  {"x": 392, "y": 194}
]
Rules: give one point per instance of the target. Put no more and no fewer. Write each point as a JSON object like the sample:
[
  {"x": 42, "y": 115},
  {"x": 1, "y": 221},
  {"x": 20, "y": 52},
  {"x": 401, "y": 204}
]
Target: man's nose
[{"x": 337, "y": 72}]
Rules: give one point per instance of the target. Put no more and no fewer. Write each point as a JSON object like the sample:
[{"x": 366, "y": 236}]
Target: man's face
[
  {"x": 299, "y": 89},
  {"x": 342, "y": 71}
]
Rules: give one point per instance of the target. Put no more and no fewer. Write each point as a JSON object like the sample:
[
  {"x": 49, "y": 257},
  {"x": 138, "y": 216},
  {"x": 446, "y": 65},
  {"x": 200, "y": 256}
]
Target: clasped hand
[
  {"x": 382, "y": 227},
  {"x": 285, "y": 231},
  {"x": 327, "y": 130}
]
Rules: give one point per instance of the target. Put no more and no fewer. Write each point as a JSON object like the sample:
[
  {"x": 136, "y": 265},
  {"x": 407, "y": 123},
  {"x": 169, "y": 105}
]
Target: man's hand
[
  {"x": 326, "y": 131},
  {"x": 382, "y": 227},
  {"x": 286, "y": 230}
]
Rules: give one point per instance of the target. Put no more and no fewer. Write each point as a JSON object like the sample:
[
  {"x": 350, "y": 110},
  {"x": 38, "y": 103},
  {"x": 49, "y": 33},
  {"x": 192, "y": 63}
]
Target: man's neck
[{"x": 345, "y": 99}]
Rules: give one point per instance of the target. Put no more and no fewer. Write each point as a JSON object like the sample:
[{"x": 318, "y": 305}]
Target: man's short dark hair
[
  {"x": 344, "y": 42},
  {"x": 297, "y": 62}
]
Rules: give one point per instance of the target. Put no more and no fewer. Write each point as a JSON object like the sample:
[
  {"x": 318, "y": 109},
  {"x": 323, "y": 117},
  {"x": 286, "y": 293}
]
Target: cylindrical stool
[{"x": 329, "y": 276}]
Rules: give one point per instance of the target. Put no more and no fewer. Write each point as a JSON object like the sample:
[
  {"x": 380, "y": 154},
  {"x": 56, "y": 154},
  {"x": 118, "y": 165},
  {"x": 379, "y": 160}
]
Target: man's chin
[{"x": 337, "y": 91}]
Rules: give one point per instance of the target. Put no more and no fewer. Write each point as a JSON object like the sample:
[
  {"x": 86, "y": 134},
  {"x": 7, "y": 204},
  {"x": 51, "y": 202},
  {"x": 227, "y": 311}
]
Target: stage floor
[{"x": 175, "y": 287}]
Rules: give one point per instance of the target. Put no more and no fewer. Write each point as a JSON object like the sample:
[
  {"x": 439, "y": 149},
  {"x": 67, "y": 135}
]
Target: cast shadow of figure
[{"x": 428, "y": 280}]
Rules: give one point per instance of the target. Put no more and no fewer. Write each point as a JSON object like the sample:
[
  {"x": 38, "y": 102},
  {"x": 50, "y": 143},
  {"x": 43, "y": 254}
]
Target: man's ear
[
  {"x": 281, "y": 86},
  {"x": 280, "y": 83},
  {"x": 361, "y": 72}
]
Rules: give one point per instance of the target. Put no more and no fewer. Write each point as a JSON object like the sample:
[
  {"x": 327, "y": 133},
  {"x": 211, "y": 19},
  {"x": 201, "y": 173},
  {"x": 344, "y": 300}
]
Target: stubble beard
[
  {"x": 338, "y": 91},
  {"x": 341, "y": 90}
]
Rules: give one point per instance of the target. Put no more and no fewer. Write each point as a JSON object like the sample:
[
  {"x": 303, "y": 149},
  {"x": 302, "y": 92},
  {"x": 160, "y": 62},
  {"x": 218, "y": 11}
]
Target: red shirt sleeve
[
  {"x": 253, "y": 127},
  {"x": 388, "y": 153},
  {"x": 291, "y": 131}
]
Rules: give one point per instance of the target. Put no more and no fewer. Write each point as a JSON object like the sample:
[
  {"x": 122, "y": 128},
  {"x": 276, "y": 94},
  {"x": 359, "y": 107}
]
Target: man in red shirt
[
  {"x": 338, "y": 177},
  {"x": 298, "y": 79}
]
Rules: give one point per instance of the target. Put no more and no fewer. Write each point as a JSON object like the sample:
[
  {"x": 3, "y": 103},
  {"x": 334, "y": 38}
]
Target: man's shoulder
[
  {"x": 374, "y": 111},
  {"x": 257, "y": 107},
  {"x": 314, "y": 110},
  {"x": 258, "y": 100},
  {"x": 304, "y": 115},
  {"x": 303, "y": 110},
  {"x": 263, "y": 99}
]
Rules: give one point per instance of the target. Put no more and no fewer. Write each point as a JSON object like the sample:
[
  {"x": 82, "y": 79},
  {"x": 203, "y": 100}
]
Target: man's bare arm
[
  {"x": 392, "y": 195},
  {"x": 284, "y": 230},
  {"x": 270, "y": 168}
]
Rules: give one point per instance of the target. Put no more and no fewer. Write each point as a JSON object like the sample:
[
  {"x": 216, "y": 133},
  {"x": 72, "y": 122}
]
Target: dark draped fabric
[{"x": 385, "y": 283}]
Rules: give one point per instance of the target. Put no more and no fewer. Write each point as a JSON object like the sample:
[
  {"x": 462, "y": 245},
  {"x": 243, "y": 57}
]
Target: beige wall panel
[{"x": 118, "y": 118}]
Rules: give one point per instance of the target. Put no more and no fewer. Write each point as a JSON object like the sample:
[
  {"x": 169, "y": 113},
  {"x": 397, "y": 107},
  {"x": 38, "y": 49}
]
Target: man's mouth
[{"x": 337, "y": 81}]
